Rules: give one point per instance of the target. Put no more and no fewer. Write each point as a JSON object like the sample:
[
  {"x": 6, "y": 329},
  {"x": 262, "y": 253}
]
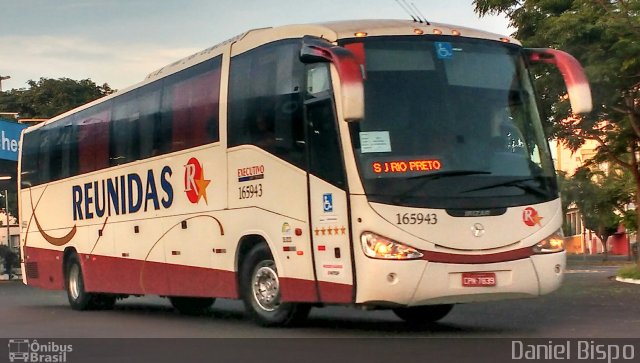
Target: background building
[
  {"x": 579, "y": 239},
  {"x": 10, "y": 131}
]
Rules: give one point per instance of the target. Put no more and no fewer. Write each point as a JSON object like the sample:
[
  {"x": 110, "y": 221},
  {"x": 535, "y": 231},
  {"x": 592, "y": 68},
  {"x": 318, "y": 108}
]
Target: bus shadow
[
  {"x": 322, "y": 321},
  {"x": 167, "y": 310},
  {"x": 339, "y": 322},
  {"x": 401, "y": 328}
]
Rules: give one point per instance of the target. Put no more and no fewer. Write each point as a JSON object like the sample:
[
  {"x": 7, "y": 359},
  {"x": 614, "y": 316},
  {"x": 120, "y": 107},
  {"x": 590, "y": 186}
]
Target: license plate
[{"x": 479, "y": 279}]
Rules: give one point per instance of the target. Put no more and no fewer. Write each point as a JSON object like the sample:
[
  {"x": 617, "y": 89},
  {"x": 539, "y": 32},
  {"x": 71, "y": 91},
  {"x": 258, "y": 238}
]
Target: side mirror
[
  {"x": 316, "y": 50},
  {"x": 572, "y": 72}
]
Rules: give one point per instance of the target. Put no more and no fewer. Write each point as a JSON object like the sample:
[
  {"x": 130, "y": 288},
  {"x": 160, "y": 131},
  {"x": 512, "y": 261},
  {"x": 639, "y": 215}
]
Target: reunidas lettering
[{"x": 124, "y": 194}]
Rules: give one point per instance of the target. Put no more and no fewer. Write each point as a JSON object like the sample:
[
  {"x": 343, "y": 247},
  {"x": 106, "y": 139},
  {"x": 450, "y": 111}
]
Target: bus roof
[{"x": 332, "y": 31}]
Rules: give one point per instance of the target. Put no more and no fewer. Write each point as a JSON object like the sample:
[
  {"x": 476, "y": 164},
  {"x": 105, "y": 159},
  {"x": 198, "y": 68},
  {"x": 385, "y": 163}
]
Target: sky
[{"x": 119, "y": 42}]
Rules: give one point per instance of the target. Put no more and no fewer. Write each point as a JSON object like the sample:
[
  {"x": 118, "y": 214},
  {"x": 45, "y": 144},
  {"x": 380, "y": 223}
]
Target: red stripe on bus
[
  {"x": 298, "y": 290},
  {"x": 136, "y": 277},
  {"x": 44, "y": 268},
  {"x": 130, "y": 276},
  {"x": 487, "y": 258},
  {"x": 335, "y": 293}
]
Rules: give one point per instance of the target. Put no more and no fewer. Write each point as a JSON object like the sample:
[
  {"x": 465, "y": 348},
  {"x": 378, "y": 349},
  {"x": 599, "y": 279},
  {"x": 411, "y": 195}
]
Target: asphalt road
[{"x": 589, "y": 305}]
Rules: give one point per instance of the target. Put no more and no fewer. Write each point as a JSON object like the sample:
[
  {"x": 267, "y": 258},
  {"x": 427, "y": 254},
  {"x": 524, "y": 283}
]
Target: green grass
[{"x": 630, "y": 272}]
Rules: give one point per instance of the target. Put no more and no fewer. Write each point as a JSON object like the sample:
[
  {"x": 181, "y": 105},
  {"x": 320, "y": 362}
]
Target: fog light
[{"x": 392, "y": 278}]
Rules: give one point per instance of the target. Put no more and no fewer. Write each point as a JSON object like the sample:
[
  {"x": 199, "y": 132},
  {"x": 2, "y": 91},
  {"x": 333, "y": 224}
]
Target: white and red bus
[{"x": 382, "y": 164}]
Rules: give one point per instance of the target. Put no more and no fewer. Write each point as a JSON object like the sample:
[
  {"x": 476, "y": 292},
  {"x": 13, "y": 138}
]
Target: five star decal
[{"x": 330, "y": 231}]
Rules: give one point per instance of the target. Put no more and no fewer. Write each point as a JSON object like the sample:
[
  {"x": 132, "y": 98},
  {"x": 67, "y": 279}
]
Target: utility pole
[
  {"x": 6, "y": 208},
  {"x": 2, "y": 78},
  {"x": 6, "y": 211}
]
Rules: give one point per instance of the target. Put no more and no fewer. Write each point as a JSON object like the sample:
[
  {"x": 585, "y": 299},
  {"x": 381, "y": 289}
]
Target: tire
[
  {"x": 260, "y": 288},
  {"x": 79, "y": 299},
  {"x": 420, "y": 315},
  {"x": 191, "y": 305}
]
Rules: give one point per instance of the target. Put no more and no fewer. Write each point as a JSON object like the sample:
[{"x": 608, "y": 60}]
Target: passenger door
[{"x": 329, "y": 212}]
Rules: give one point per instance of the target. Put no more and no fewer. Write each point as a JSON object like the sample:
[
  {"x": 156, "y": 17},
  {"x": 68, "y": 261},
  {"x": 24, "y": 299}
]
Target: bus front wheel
[
  {"x": 79, "y": 299},
  {"x": 260, "y": 286},
  {"x": 423, "y": 314}
]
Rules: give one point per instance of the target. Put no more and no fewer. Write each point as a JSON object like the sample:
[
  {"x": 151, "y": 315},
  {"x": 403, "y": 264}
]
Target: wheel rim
[
  {"x": 74, "y": 282},
  {"x": 266, "y": 287}
]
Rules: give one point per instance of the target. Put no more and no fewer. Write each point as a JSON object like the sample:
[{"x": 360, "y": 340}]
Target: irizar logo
[{"x": 195, "y": 185}]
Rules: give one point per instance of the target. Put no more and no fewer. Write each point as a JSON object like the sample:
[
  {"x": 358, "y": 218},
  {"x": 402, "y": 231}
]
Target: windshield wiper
[
  {"x": 518, "y": 183},
  {"x": 435, "y": 176},
  {"x": 448, "y": 173}
]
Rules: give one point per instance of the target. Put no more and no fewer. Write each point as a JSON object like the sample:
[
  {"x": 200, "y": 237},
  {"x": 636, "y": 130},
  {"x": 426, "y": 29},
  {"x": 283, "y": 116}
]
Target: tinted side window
[
  {"x": 63, "y": 149},
  {"x": 191, "y": 103},
  {"x": 44, "y": 154},
  {"x": 172, "y": 114},
  {"x": 29, "y": 163},
  {"x": 265, "y": 100},
  {"x": 325, "y": 155},
  {"x": 151, "y": 138},
  {"x": 325, "y": 150},
  {"x": 53, "y": 138},
  {"x": 92, "y": 127},
  {"x": 124, "y": 129},
  {"x": 69, "y": 157},
  {"x": 49, "y": 154}
]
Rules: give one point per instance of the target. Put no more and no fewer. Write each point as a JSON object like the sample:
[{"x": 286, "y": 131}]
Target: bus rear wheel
[
  {"x": 260, "y": 286},
  {"x": 191, "y": 305},
  {"x": 79, "y": 299},
  {"x": 419, "y": 315}
]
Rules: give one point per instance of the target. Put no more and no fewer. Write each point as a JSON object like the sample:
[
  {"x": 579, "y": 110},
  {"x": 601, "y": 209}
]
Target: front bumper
[{"x": 413, "y": 283}]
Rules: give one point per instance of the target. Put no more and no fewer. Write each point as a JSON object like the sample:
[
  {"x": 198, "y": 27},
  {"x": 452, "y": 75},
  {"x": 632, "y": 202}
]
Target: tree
[
  {"x": 604, "y": 36},
  {"x": 49, "y": 97}
]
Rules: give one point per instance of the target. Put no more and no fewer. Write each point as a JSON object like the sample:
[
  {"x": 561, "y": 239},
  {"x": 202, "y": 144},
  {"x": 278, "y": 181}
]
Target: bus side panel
[
  {"x": 43, "y": 268},
  {"x": 149, "y": 278},
  {"x": 203, "y": 282},
  {"x": 121, "y": 275},
  {"x": 138, "y": 257},
  {"x": 268, "y": 198},
  {"x": 42, "y": 261},
  {"x": 199, "y": 259}
]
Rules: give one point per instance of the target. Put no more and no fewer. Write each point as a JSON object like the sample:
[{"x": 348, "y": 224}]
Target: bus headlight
[
  {"x": 551, "y": 244},
  {"x": 376, "y": 246}
]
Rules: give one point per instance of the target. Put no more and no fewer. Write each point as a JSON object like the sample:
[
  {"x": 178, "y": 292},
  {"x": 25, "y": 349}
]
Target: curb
[{"x": 628, "y": 281}]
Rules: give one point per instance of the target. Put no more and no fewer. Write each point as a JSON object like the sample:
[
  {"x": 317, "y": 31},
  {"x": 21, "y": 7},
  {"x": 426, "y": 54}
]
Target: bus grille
[{"x": 31, "y": 269}]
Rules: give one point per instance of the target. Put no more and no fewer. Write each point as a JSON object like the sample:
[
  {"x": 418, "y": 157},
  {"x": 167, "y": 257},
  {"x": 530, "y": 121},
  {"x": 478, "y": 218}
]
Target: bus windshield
[{"x": 449, "y": 123}]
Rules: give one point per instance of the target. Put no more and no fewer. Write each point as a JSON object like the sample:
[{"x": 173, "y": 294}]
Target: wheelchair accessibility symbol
[
  {"x": 327, "y": 202},
  {"x": 444, "y": 50}
]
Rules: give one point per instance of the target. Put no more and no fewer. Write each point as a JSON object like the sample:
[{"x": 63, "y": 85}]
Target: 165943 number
[
  {"x": 417, "y": 218},
  {"x": 250, "y": 191}
]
